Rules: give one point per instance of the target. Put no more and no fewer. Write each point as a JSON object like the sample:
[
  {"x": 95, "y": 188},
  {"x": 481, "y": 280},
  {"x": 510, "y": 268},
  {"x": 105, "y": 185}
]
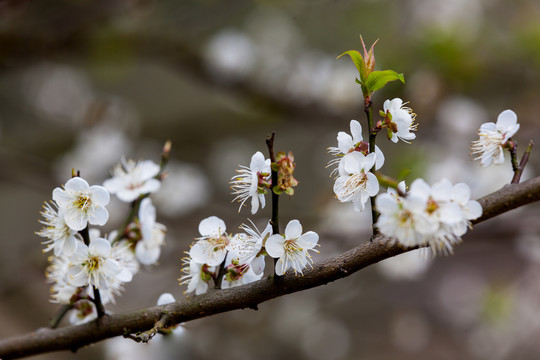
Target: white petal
[
  {"x": 148, "y": 169},
  {"x": 372, "y": 184},
  {"x": 99, "y": 195},
  {"x": 293, "y": 230},
  {"x": 274, "y": 245},
  {"x": 212, "y": 226},
  {"x": 100, "y": 247},
  {"x": 345, "y": 142},
  {"x": 197, "y": 253},
  {"x": 356, "y": 131},
  {"x": 165, "y": 298},
  {"x": 473, "y": 210},
  {"x": 379, "y": 158},
  {"x": 257, "y": 161},
  {"x": 258, "y": 265},
  {"x": 76, "y": 184},
  {"x": 280, "y": 268},
  {"x": 461, "y": 193},
  {"x": 386, "y": 204},
  {"x": 100, "y": 217},
  {"x": 309, "y": 239},
  {"x": 255, "y": 203},
  {"x": 124, "y": 275},
  {"x": 506, "y": 120}
]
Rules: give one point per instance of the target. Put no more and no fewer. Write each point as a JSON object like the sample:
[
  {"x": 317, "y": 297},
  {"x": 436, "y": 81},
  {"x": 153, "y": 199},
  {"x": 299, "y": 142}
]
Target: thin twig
[
  {"x": 368, "y": 109},
  {"x": 275, "y": 197},
  {"x": 523, "y": 163}
]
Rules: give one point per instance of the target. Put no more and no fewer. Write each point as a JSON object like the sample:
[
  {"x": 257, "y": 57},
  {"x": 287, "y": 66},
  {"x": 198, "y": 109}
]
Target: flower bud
[{"x": 284, "y": 166}]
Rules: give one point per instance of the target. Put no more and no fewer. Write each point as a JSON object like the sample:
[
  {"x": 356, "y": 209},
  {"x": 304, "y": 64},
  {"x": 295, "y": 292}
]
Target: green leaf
[
  {"x": 378, "y": 79},
  {"x": 358, "y": 61}
]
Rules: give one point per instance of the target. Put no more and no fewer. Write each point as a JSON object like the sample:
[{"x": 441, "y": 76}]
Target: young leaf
[
  {"x": 358, "y": 61},
  {"x": 378, "y": 79}
]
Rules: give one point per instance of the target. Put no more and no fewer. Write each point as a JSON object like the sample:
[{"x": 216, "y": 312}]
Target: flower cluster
[
  {"x": 494, "y": 137},
  {"x": 435, "y": 215},
  {"x": 85, "y": 264},
  {"x": 234, "y": 260},
  {"x": 354, "y": 160}
]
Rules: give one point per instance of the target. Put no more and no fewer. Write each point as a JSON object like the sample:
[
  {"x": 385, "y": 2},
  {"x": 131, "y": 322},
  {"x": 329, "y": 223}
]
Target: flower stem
[
  {"x": 512, "y": 147},
  {"x": 55, "y": 321},
  {"x": 368, "y": 109},
  {"x": 275, "y": 197},
  {"x": 389, "y": 182},
  {"x": 97, "y": 302},
  {"x": 522, "y": 164},
  {"x": 221, "y": 273}
]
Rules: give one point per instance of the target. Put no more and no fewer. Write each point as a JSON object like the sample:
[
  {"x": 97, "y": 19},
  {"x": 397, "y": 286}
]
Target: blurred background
[{"x": 83, "y": 83}]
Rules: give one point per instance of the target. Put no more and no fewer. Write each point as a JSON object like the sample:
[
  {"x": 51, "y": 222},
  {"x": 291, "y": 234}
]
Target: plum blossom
[
  {"x": 401, "y": 120},
  {"x": 94, "y": 265},
  {"x": 81, "y": 203},
  {"x": 355, "y": 183},
  {"x": 292, "y": 248},
  {"x": 83, "y": 312},
  {"x": 251, "y": 182},
  {"x": 197, "y": 275},
  {"x": 436, "y": 215},
  {"x": 348, "y": 144},
  {"x": 237, "y": 273},
  {"x": 246, "y": 247},
  {"x": 212, "y": 247},
  {"x": 148, "y": 248},
  {"x": 61, "y": 238},
  {"x": 132, "y": 179},
  {"x": 493, "y": 137}
]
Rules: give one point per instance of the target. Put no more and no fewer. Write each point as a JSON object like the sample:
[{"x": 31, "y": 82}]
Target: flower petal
[
  {"x": 212, "y": 226},
  {"x": 293, "y": 230},
  {"x": 506, "y": 120},
  {"x": 274, "y": 245},
  {"x": 356, "y": 131}
]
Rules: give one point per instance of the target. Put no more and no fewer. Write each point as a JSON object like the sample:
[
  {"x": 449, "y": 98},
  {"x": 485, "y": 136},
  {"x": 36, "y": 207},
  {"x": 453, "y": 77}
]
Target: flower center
[
  {"x": 354, "y": 183},
  {"x": 291, "y": 246},
  {"x": 83, "y": 202},
  {"x": 219, "y": 243},
  {"x": 432, "y": 206},
  {"x": 92, "y": 264}
]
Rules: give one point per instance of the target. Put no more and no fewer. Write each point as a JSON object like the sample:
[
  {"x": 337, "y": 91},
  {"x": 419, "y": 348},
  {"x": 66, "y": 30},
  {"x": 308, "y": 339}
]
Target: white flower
[
  {"x": 132, "y": 179},
  {"x": 435, "y": 215},
  {"x": 197, "y": 276},
  {"x": 348, "y": 144},
  {"x": 355, "y": 183},
  {"x": 248, "y": 183},
  {"x": 62, "y": 239},
  {"x": 245, "y": 248},
  {"x": 292, "y": 248},
  {"x": 148, "y": 249},
  {"x": 56, "y": 273},
  {"x": 237, "y": 273},
  {"x": 403, "y": 219},
  {"x": 403, "y": 118},
  {"x": 94, "y": 265},
  {"x": 81, "y": 204},
  {"x": 212, "y": 247},
  {"x": 492, "y": 138},
  {"x": 83, "y": 312}
]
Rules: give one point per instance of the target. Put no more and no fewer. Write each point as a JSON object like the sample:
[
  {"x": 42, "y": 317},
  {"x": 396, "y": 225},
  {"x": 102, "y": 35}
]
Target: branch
[{"x": 247, "y": 296}]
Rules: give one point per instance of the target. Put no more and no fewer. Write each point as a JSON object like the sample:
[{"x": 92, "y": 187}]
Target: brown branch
[{"x": 247, "y": 296}]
